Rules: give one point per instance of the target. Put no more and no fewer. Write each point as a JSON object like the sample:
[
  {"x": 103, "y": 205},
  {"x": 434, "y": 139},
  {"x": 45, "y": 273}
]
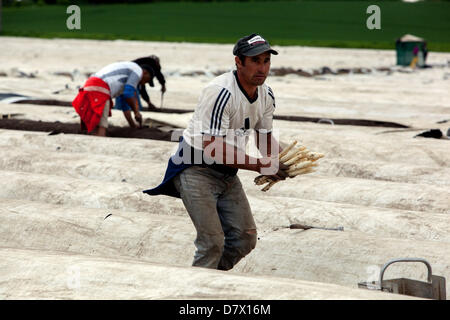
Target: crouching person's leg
[
  {"x": 103, "y": 125},
  {"x": 237, "y": 246},
  {"x": 200, "y": 202},
  {"x": 209, "y": 249},
  {"x": 238, "y": 225}
]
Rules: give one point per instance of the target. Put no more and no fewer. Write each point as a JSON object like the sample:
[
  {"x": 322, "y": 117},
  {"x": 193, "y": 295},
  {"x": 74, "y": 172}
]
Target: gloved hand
[
  {"x": 298, "y": 161},
  {"x": 273, "y": 168}
]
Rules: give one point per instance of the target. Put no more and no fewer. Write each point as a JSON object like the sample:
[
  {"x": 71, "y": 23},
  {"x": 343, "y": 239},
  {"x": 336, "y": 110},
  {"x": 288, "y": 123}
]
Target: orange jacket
[{"x": 90, "y": 102}]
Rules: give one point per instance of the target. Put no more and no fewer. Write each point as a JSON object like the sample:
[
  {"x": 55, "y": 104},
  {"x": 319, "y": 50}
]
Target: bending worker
[
  {"x": 203, "y": 172},
  {"x": 153, "y": 62},
  {"x": 94, "y": 100}
]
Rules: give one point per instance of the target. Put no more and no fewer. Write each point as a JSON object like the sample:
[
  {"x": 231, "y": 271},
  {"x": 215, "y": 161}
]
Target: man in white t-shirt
[{"x": 212, "y": 149}]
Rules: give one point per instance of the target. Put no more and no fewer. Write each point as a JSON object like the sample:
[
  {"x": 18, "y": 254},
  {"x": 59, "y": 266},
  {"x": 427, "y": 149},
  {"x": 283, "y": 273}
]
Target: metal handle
[{"x": 383, "y": 269}]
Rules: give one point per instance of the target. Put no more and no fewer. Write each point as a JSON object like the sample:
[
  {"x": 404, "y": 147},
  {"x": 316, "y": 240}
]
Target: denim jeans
[{"x": 221, "y": 214}]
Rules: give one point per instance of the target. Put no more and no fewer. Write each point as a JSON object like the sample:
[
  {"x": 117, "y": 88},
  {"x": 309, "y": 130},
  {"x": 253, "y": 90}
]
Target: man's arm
[
  {"x": 130, "y": 92},
  {"x": 270, "y": 149},
  {"x": 133, "y": 102},
  {"x": 265, "y": 143},
  {"x": 229, "y": 155},
  {"x": 144, "y": 93},
  {"x": 161, "y": 80}
]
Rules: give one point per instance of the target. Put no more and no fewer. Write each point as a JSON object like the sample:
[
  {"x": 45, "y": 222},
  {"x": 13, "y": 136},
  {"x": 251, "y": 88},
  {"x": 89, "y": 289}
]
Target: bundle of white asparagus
[{"x": 299, "y": 160}]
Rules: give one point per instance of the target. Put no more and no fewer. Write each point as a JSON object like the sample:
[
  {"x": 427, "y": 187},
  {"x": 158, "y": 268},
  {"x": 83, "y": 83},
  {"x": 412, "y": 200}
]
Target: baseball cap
[{"x": 252, "y": 45}]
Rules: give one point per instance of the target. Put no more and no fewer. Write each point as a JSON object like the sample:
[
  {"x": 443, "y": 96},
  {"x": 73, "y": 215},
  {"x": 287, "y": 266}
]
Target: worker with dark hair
[
  {"x": 154, "y": 62},
  {"x": 203, "y": 171},
  {"x": 155, "y": 66}
]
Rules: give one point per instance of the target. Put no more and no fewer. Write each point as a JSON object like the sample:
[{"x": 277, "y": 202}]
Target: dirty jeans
[{"x": 221, "y": 214}]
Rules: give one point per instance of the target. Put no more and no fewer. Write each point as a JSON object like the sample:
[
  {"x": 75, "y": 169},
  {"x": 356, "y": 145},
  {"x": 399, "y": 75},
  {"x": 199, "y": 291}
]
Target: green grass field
[{"x": 323, "y": 23}]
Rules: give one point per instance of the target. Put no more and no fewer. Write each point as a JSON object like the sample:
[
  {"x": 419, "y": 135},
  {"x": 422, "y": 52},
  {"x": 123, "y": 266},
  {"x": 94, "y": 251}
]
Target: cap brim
[{"x": 260, "y": 49}]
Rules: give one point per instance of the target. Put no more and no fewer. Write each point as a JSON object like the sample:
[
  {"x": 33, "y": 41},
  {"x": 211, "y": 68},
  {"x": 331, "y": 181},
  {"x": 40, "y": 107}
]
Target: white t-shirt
[
  {"x": 224, "y": 109},
  {"x": 118, "y": 74}
]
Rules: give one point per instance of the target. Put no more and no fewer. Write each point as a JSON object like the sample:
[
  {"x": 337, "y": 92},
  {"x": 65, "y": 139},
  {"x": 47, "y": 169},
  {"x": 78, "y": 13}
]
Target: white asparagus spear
[
  {"x": 292, "y": 174},
  {"x": 300, "y": 171},
  {"x": 288, "y": 156},
  {"x": 294, "y": 160},
  {"x": 286, "y": 150},
  {"x": 299, "y": 165},
  {"x": 297, "y": 158},
  {"x": 292, "y": 154},
  {"x": 303, "y": 157},
  {"x": 315, "y": 156},
  {"x": 295, "y": 173}
]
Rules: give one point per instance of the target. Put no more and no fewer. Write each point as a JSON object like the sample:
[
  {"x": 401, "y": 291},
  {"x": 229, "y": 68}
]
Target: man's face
[
  {"x": 255, "y": 69},
  {"x": 145, "y": 77}
]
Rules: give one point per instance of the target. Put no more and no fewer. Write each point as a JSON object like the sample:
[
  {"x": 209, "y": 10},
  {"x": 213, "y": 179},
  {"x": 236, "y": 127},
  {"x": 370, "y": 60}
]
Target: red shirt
[{"x": 90, "y": 102}]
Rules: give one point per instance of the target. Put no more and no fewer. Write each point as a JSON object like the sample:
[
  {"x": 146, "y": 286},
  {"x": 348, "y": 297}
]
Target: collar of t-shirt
[{"x": 243, "y": 91}]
